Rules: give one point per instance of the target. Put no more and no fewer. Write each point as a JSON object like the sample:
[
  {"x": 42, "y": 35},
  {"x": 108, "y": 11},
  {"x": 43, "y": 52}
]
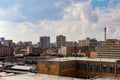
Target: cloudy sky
[{"x": 27, "y": 20}]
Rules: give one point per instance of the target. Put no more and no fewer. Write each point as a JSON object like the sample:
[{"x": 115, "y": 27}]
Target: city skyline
[{"x": 75, "y": 19}]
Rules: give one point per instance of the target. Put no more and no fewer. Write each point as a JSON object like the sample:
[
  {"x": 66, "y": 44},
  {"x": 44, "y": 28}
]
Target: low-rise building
[
  {"x": 34, "y": 49},
  {"x": 69, "y": 50},
  {"x": 82, "y": 67},
  {"x": 6, "y": 51}
]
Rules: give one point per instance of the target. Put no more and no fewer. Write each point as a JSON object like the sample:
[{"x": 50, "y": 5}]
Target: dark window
[
  {"x": 83, "y": 66},
  {"x": 111, "y": 69},
  {"x": 105, "y": 68}
]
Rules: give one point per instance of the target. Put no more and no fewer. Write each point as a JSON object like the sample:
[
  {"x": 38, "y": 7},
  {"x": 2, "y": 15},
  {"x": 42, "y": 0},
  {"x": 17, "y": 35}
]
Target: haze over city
[{"x": 76, "y": 19}]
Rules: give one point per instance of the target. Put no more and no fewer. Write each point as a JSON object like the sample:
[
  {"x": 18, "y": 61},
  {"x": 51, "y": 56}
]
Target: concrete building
[
  {"x": 28, "y": 43},
  {"x": 71, "y": 43},
  {"x": 34, "y": 49},
  {"x": 24, "y": 44},
  {"x": 82, "y": 67},
  {"x": 45, "y": 42},
  {"x": 8, "y": 43},
  {"x": 61, "y": 41},
  {"x": 91, "y": 43},
  {"x": 2, "y": 39},
  {"x": 109, "y": 49},
  {"x": 69, "y": 50}
]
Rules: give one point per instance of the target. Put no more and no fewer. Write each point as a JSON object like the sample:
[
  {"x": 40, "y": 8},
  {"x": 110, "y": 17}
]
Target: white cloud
[
  {"x": 78, "y": 21},
  {"x": 11, "y": 13},
  {"x": 25, "y": 26},
  {"x": 90, "y": 23}
]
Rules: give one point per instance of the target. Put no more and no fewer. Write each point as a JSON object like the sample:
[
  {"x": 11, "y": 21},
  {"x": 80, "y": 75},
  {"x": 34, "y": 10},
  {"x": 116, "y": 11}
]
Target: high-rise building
[
  {"x": 109, "y": 49},
  {"x": 2, "y": 39},
  {"x": 90, "y": 43},
  {"x": 61, "y": 40},
  {"x": 45, "y": 42}
]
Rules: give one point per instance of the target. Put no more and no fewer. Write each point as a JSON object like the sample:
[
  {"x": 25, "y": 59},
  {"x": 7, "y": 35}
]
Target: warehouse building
[{"x": 81, "y": 67}]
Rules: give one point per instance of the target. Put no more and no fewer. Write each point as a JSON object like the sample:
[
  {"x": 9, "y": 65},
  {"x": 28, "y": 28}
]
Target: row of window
[
  {"x": 98, "y": 68},
  {"x": 67, "y": 66}
]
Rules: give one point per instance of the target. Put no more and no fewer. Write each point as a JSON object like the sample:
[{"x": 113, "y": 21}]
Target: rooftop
[
  {"x": 21, "y": 67},
  {"x": 32, "y": 76},
  {"x": 82, "y": 59}
]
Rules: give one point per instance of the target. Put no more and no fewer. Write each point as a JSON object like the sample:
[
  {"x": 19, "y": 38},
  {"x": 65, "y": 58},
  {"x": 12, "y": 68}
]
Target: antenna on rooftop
[{"x": 105, "y": 33}]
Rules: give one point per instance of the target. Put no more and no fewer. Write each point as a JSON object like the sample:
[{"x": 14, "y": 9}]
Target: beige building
[
  {"x": 69, "y": 50},
  {"x": 109, "y": 49},
  {"x": 91, "y": 43}
]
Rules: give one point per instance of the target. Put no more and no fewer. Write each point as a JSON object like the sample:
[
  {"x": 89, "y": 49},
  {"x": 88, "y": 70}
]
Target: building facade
[
  {"x": 69, "y": 50},
  {"x": 8, "y": 43},
  {"x": 109, "y": 49},
  {"x": 45, "y": 42},
  {"x": 91, "y": 43},
  {"x": 61, "y": 41},
  {"x": 80, "y": 67},
  {"x": 6, "y": 51},
  {"x": 2, "y": 39},
  {"x": 34, "y": 50}
]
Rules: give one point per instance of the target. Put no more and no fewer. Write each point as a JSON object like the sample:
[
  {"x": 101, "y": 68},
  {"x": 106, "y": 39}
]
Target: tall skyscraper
[
  {"x": 45, "y": 42},
  {"x": 61, "y": 40}
]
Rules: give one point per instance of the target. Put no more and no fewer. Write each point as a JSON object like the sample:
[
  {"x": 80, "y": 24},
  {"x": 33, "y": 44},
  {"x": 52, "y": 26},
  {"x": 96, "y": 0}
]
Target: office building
[
  {"x": 45, "y": 42},
  {"x": 90, "y": 43},
  {"x": 28, "y": 43},
  {"x": 109, "y": 49},
  {"x": 8, "y": 43},
  {"x": 61, "y": 41},
  {"x": 69, "y": 50},
  {"x": 2, "y": 39},
  {"x": 71, "y": 43}
]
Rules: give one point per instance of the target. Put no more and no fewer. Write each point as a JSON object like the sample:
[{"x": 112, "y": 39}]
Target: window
[
  {"x": 83, "y": 66},
  {"x": 105, "y": 68},
  {"x": 111, "y": 69}
]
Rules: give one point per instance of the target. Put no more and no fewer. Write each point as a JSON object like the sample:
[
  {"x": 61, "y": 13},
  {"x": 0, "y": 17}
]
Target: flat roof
[
  {"x": 21, "y": 67},
  {"x": 106, "y": 78},
  {"x": 33, "y": 76},
  {"x": 81, "y": 59}
]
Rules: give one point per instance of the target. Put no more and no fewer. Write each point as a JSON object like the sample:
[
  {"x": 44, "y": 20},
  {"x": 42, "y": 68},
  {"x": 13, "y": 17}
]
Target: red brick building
[{"x": 6, "y": 51}]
